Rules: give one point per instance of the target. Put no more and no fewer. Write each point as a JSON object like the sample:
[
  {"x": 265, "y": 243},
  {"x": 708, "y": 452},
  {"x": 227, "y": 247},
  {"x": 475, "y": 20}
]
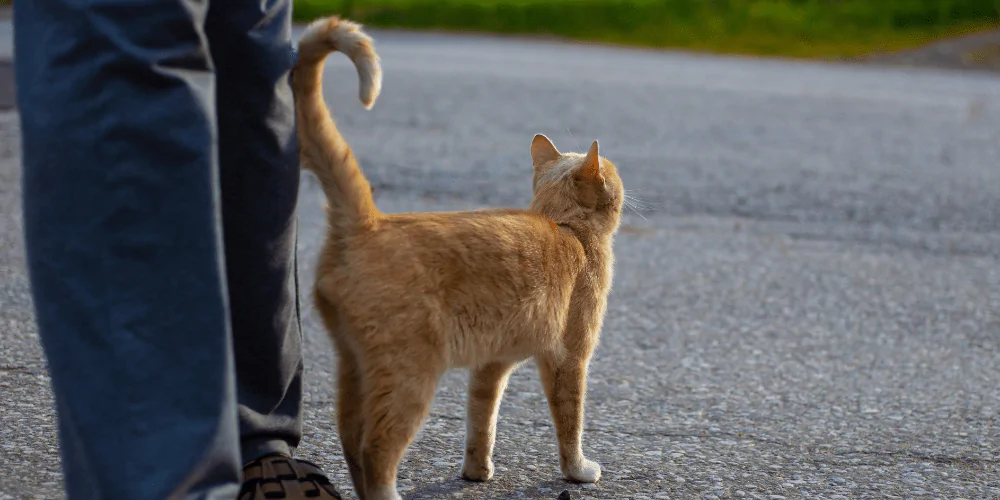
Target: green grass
[{"x": 794, "y": 28}]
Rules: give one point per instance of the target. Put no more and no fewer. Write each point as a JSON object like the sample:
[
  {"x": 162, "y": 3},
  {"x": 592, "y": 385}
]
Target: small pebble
[{"x": 565, "y": 495}]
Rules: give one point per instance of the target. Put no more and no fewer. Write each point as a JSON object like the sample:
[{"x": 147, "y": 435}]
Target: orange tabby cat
[{"x": 407, "y": 296}]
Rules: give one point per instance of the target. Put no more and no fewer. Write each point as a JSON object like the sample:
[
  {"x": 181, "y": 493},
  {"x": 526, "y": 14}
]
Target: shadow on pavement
[{"x": 7, "y": 100}]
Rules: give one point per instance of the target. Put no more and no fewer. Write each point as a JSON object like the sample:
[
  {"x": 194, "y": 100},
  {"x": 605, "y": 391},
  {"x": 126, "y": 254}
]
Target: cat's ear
[
  {"x": 543, "y": 151},
  {"x": 590, "y": 188},
  {"x": 591, "y": 169}
]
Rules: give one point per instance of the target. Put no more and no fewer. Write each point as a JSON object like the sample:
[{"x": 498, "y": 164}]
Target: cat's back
[
  {"x": 507, "y": 254},
  {"x": 483, "y": 239}
]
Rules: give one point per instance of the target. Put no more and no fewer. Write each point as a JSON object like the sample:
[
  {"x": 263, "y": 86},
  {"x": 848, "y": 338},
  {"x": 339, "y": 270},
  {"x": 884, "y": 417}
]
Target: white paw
[
  {"x": 476, "y": 470},
  {"x": 583, "y": 471},
  {"x": 383, "y": 493}
]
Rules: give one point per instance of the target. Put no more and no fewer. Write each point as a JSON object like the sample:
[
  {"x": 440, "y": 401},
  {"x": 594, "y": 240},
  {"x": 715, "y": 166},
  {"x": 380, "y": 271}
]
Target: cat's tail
[{"x": 322, "y": 149}]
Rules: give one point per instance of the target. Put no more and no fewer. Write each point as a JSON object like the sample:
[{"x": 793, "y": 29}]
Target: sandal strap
[{"x": 281, "y": 477}]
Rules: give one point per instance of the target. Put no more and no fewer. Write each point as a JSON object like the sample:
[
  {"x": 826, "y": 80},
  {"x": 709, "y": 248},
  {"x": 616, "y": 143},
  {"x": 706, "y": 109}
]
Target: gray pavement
[{"x": 809, "y": 309}]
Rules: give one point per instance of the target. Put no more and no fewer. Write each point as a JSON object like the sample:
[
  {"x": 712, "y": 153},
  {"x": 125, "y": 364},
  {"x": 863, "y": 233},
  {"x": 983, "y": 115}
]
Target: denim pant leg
[
  {"x": 258, "y": 154},
  {"x": 124, "y": 244}
]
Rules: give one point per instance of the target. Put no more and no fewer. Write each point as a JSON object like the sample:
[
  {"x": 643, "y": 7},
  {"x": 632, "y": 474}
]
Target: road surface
[{"x": 810, "y": 308}]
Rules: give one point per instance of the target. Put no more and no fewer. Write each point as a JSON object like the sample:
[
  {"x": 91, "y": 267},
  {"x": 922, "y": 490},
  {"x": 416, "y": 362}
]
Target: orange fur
[{"x": 406, "y": 297}]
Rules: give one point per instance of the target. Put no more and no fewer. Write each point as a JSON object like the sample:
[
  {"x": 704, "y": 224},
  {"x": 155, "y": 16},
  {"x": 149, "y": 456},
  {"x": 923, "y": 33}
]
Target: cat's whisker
[
  {"x": 644, "y": 208},
  {"x": 574, "y": 138},
  {"x": 632, "y": 203},
  {"x": 643, "y": 204},
  {"x": 631, "y": 193},
  {"x": 628, "y": 204}
]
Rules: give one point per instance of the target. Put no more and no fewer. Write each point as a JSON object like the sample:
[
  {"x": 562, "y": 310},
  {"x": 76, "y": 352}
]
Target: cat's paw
[
  {"x": 583, "y": 471},
  {"x": 383, "y": 493},
  {"x": 477, "y": 470}
]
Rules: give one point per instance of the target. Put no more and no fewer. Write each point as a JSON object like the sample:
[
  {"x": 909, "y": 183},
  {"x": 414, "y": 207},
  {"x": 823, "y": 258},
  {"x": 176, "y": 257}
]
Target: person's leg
[
  {"x": 124, "y": 247},
  {"x": 253, "y": 53}
]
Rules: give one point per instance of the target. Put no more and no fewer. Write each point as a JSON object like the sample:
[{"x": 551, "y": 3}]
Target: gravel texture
[{"x": 809, "y": 308}]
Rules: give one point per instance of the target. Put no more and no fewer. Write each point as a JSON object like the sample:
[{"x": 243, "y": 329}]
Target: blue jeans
[{"x": 160, "y": 185}]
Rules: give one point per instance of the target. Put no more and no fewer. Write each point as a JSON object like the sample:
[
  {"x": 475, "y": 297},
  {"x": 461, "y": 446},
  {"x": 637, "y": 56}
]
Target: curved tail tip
[
  {"x": 370, "y": 90},
  {"x": 334, "y": 33}
]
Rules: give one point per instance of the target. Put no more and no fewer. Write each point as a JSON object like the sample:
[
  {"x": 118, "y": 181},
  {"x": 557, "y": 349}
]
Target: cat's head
[{"x": 576, "y": 188}]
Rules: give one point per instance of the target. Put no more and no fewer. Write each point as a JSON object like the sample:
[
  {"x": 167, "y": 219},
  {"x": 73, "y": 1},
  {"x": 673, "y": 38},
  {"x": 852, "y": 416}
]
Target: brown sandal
[{"x": 280, "y": 477}]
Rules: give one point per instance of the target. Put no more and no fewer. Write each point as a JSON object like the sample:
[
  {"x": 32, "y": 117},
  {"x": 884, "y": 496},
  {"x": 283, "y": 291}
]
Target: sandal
[{"x": 278, "y": 476}]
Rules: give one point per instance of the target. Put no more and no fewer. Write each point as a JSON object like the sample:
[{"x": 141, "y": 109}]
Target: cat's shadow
[{"x": 456, "y": 487}]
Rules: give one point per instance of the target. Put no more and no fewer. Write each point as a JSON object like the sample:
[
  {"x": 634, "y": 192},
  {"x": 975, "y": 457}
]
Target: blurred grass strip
[{"x": 792, "y": 28}]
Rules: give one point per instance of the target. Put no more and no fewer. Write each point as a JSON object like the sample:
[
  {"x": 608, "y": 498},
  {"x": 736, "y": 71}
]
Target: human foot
[{"x": 278, "y": 476}]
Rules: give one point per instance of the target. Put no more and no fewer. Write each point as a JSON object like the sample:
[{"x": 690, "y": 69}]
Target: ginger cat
[{"x": 406, "y": 297}]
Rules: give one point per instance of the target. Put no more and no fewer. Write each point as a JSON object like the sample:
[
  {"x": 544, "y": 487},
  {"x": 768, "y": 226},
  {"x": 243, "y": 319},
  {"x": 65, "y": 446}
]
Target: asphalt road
[{"x": 809, "y": 309}]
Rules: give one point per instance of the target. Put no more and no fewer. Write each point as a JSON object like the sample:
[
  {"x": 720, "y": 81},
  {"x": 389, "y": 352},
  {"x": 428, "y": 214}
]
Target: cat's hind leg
[
  {"x": 350, "y": 419},
  {"x": 565, "y": 381},
  {"x": 486, "y": 386},
  {"x": 398, "y": 397}
]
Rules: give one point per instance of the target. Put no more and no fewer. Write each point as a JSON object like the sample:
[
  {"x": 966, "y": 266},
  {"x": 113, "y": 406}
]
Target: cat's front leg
[
  {"x": 565, "y": 383},
  {"x": 486, "y": 386}
]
